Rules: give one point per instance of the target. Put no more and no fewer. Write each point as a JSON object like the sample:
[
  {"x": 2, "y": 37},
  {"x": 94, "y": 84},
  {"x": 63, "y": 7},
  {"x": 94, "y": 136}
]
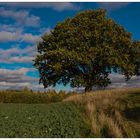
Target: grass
[
  {"x": 112, "y": 113},
  {"x": 41, "y": 120},
  {"x": 106, "y": 113}
]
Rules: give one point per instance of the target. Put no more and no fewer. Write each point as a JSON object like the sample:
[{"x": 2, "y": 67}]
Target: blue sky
[{"x": 22, "y": 25}]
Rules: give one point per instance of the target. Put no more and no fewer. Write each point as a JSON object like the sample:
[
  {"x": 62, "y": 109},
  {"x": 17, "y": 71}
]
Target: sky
[{"x": 23, "y": 24}]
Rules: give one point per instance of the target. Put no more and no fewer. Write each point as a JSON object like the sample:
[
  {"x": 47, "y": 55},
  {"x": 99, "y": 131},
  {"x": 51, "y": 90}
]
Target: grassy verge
[
  {"x": 112, "y": 113},
  {"x": 41, "y": 120}
]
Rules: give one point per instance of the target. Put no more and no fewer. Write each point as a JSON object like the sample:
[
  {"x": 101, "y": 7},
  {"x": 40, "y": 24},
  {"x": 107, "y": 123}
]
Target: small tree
[{"x": 83, "y": 51}]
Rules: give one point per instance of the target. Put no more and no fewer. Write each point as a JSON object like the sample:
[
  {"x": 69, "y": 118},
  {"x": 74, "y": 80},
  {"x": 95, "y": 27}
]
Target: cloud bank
[
  {"x": 17, "y": 79},
  {"x": 18, "y": 36},
  {"x": 57, "y": 6},
  {"x": 111, "y": 6},
  {"x": 18, "y": 55},
  {"x": 21, "y": 17}
]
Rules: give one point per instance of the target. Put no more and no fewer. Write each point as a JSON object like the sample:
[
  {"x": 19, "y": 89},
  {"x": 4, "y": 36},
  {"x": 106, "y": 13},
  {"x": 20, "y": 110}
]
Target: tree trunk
[{"x": 88, "y": 88}]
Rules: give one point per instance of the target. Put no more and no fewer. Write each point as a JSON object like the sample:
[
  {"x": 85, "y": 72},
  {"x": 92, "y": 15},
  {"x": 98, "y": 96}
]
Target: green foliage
[
  {"x": 83, "y": 50},
  {"x": 40, "y": 120},
  {"x": 27, "y": 96},
  {"x": 136, "y": 56}
]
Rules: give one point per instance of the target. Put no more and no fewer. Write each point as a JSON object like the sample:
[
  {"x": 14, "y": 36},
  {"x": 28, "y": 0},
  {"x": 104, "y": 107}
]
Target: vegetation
[
  {"x": 106, "y": 113},
  {"x": 136, "y": 57},
  {"x": 41, "y": 120},
  {"x": 30, "y": 97},
  {"x": 112, "y": 113},
  {"x": 83, "y": 50}
]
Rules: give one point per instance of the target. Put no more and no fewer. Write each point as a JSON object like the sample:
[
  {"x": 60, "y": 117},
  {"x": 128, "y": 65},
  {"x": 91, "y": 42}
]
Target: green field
[
  {"x": 109, "y": 113},
  {"x": 42, "y": 120}
]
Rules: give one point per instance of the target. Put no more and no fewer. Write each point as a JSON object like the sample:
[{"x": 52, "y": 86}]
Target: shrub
[{"x": 27, "y": 96}]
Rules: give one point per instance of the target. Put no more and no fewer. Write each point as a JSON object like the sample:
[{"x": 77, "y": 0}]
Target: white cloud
[
  {"x": 17, "y": 75},
  {"x": 18, "y": 36},
  {"x": 45, "y": 30},
  {"x": 17, "y": 50},
  {"x": 9, "y": 27},
  {"x": 62, "y": 6},
  {"x": 58, "y": 6},
  {"x": 14, "y": 85},
  {"x": 8, "y": 58},
  {"x": 17, "y": 79},
  {"x": 21, "y": 71},
  {"x": 18, "y": 55},
  {"x": 22, "y": 59},
  {"x": 118, "y": 81},
  {"x": 6, "y": 52},
  {"x": 9, "y": 36},
  {"x": 31, "y": 38},
  {"x": 22, "y": 17},
  {"x": 32, "y": 20},
  {"x": 13, "y": 14},
  {"x": 110, "y": 6},
  {"x": 17, "y": 59}
]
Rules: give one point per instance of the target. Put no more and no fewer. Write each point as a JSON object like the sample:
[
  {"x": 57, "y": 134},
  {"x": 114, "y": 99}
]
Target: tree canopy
[{"x": 84, "y": 50}]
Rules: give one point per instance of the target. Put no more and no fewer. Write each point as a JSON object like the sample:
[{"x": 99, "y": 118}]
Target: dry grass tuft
[{"x": 104, "y": 111}]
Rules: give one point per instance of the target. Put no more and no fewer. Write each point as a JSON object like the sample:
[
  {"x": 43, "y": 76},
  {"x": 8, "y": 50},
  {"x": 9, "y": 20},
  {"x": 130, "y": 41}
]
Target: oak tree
[{"x": 84, "y": 50}]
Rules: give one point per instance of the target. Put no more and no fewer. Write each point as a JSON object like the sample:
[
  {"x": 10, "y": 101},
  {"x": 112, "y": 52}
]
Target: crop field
[
  {"x": 42, "y": 120},
  {"x": 105, "y": 113}
]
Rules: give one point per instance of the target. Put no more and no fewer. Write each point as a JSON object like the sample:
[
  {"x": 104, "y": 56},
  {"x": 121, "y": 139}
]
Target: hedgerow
[{"x": 27, "y": 96}]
